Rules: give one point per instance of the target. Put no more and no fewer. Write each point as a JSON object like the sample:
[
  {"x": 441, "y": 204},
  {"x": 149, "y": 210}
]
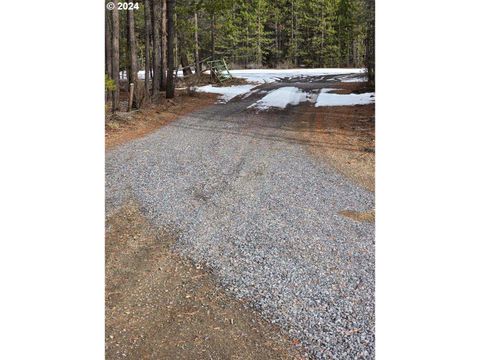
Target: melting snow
[
  {"x": 356, "y": 79},
  {"x": 326, "y": 99},
  {"x": 272, "y": 75},
  {"x": 227, "y": 92},
  {"x": 281, "y": 97}
]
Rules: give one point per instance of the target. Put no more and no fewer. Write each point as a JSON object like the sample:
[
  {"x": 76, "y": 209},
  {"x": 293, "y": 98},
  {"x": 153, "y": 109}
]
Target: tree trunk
[
  {"x": 115, "y": 58},
  {"x": 132, "y": 51},
  {"x": 148, "y": 29},
  {"x": 108, "y": 49},
  {"x": 156, "y": 26},
  {"x": 259, "y": 47},
  {"x": 247, "y": 45},
  {"x": 293, "y": 35},
  {"x": 277, "y": 49},
  {"x": 322, "y": 41},
  {"x": 212, "y": 34},
  {"x": 183, "y": 56},
  {"x": 184, "y": 61},
  {"x": 296, "y": 40},
  {"x": 175, "y": 46},
  {"x": 197, "y": 59},
  {"x": 354, "y": 54},
  {"x": 164, "y": 65},
  {"x": 370, "y": 42},
  {"x": 186, "y": 69},
  {"x": 170, "y": 29}
]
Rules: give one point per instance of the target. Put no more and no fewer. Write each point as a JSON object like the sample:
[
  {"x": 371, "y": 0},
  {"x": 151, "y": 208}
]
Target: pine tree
[
  {"x": 116, "y": 59},
  {"x": 132, "y": 51},
  {"x": 370, "y": 42},
  {"x": 148, "y": 31},
  {"x": 170, "y": 35}
]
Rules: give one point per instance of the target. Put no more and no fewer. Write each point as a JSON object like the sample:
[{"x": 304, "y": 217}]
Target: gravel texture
[{"x": 246, "y": 198}]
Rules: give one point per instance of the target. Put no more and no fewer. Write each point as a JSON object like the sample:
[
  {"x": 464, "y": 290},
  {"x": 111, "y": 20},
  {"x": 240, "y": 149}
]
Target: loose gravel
[{"x": 245, "y": 198}]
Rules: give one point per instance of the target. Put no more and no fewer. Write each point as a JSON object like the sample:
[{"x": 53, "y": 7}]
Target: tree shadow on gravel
[{"x": 278, "y": 126}]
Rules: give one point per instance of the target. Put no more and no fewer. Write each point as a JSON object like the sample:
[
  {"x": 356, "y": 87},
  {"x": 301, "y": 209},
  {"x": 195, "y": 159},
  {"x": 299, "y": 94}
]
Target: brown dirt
[
  {"x": 205, "y": 79},
  {"x": 159, "y": 306},
  {"x": 123, "y": 127},
  {"x": 351, "y": 129},
  {"x": 359, "y": 215}
]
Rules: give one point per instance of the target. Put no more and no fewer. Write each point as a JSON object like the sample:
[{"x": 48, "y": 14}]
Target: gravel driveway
[{"x": 245, "y": 197}]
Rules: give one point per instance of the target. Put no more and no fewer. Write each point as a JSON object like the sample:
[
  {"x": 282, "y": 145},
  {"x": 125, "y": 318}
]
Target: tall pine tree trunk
[
  {"x": 170, "y": 29},
  {"x": 247, "y": 46},
  {"x": 157, "y": 55},
  {"x": 322, "y": 36},
  {"x": 296, "y": 39},
  {"x": 212, "y": 35},
  {"x": 184, "y": 61},
  {"x": 354, "y": 53},
  {"x": 293, "y": 37},
  {"x": 164, "y": 63},
  {"x": 183, "y": 56},
  {"x": 197, "y": 59},
  {"x": 108, "y": 49},
  {"x": 277, "y": 43},
  {"x": 259, "y": 47},
  {"x": 116, "y": 58},
  {"x": 148, "y": 30},
  {"x": 175, "y": 45},
  {"x": 132, "y": 51},
  {"x": 370, "y": 42}
]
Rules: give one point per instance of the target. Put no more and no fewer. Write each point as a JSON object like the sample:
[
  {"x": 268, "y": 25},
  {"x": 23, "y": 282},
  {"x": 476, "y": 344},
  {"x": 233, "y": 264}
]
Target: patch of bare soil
[
  {"x": 192, "y": 80},
  {"x": 233, "y": 81},
  {"x": 205, "y": 79},
  {"x": 344, "y": 136},
  {"x": 352, "y": 87},
  {"x": 368, "y": 216},
  {"x": 125, "y": 126},
  {"x": 160, "y": 306}
]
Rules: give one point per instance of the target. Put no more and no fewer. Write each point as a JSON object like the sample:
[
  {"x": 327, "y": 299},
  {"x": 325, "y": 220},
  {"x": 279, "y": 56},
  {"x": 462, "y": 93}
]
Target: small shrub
[{"x": 109, "y": 84}]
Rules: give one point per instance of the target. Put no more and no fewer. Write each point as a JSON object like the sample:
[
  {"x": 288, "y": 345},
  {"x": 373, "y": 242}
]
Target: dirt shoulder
[
  {"x": 160, "y": 306},
  {"x": 344, "y": 136},
  {"x": 123, "y": 127}
]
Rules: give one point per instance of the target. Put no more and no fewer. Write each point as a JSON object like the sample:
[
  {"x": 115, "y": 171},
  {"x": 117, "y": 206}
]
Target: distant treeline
[{"x": 272, "y": 33}]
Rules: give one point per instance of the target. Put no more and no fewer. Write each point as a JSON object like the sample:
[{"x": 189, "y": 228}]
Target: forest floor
[
  {"x": 234, "y": 233},
  {"x": 125, "y": 126}
]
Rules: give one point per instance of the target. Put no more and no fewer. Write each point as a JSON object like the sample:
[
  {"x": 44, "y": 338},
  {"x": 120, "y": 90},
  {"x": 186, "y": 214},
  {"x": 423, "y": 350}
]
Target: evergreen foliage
[
  {"x": 266, "y": 33},
  {"x": 272, "y": 33}
]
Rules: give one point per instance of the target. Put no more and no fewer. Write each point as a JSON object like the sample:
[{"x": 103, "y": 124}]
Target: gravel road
[{"x": 245, "y": 197}]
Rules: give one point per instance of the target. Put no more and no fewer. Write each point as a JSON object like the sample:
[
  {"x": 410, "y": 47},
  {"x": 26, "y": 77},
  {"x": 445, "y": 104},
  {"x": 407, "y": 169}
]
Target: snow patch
[
  {"x": 352, "y": 78},
  {"x": 280, "y": 98},
  {"x": 357, "y": 79},
  {"x": 326, "y": 99},
  {"x": 227, "y": 92},
  {"x": 272, "y": 75}
]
